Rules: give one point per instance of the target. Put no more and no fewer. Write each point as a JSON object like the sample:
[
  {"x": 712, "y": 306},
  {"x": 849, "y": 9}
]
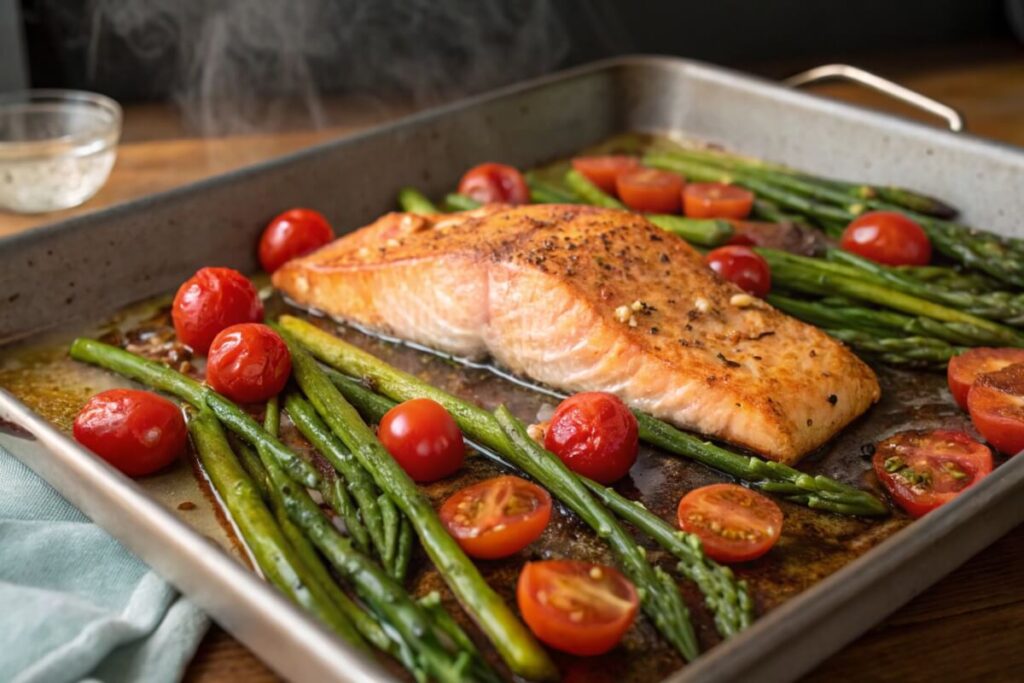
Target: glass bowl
[{"x": 56, "y": 148}]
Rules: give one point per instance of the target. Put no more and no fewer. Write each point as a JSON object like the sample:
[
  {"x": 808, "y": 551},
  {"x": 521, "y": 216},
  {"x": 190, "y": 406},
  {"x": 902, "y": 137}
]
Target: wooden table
[{"x": 970, "y": 626}]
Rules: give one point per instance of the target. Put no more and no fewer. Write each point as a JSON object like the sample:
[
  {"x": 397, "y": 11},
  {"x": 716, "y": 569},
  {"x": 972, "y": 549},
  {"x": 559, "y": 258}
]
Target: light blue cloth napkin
[{"x": 75, "y": 605}]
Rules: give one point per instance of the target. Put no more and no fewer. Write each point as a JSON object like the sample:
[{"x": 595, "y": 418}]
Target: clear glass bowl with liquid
[{"x": 56, "y": 148}]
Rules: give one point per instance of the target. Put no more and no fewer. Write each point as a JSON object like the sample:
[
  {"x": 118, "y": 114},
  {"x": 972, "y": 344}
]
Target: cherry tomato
[
  {"x": 423, "y": 438},
  {"x": 887, "y": 237},
  {"x": 248, "y": 363},
  {"x": 136, "y": 431},
  {"x": 965, "y": 368},
  {"x": 605, "y": 171},
  {"x": 294, "y": 233},
  {"x": 595, "y": 435},
  {"x": 743, "y": 267},
  {"x": 577, "y": 607},
  {"x": 734, "y": 523},
  {"x": 717, "y": 200},
  {"x": 647, "y": 189},
  {"x": 925, "y": 469},
  {"x": 211, "y": 300},
  {"x": 497, "y": 517},
  {"x": 996, "y": 404},
  {"x": 495, "y": 183}
]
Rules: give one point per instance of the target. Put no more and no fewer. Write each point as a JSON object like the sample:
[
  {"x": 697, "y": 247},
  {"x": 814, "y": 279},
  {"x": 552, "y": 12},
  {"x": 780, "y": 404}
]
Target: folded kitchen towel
[{"x": 75, "y": 605}]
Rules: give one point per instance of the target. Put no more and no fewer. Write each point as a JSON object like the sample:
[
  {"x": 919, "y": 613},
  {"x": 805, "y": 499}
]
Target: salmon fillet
[{"x": 589, "y": 299}]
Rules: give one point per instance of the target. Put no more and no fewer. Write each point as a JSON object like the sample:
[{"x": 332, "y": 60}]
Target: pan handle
[{"x": 869, "y": 80}]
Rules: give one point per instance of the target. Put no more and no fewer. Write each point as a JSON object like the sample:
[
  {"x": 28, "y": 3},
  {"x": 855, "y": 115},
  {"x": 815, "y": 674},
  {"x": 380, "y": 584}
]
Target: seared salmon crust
[{"x": 589, "y": 299}]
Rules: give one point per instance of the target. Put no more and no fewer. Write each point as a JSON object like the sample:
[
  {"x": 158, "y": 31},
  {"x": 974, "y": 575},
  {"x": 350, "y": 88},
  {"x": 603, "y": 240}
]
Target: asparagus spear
[
  {"x": 174, "y": 383},
  {"x": 412, "y": 200},
  {"x": 512, "y": 640},
  {"x": 543, "y": 192},
  {"x": 460, "y": 202},
  {"x": 277, "y": 559},
  {"x": 818, "y": 492},
  {"x": 920, "y": 352}
]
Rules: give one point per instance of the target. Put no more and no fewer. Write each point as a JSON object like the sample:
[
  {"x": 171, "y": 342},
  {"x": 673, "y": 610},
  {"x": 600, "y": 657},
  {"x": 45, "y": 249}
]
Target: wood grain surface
[{"x": 969, "y": 626}]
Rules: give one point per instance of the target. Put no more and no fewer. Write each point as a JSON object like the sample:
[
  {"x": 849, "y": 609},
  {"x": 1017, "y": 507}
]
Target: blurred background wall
[{"x": 236, "y": 66}]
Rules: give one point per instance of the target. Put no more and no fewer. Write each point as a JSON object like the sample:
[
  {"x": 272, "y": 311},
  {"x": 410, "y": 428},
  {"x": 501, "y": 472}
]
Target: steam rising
[{"x": 239, "y": 66}]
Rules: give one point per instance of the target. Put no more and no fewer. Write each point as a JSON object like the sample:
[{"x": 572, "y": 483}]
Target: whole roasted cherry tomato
[
  {"x": 925, "y": 469},
  {"x": 595, "y": 435},
  {"x": 423, "y": 438},
  {"x": 137, "y": 432},
  {"x": 248, "y": 363},
  {"x": 743, "y": 267},
  {"x": 604, "y": 171},
  {"x": 887, "y": 237},
  {"x": 734, "y": 523},
  {"x": 717, "y": 200},
  {"x": 965, "y": 368},
  {"x": 211, "y": 300},
  {"x": 647, "y": 189},
  {"x": 294, "y": 233},
  {"x": 996, "y": 404},
  {"x": 577, "y": 607},
  {"x": 495, "y": 183},
  {"x": 497, "y": 517}
]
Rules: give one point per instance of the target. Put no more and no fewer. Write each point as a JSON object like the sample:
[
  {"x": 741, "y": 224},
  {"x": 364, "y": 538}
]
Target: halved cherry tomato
[
  {"x": 734, "y": 523},
  {"x": 996, "y": 404},
  {"x": 577, "y": 607},
  {"x": 294, "y": 233},
  {"x": 604, "y": 171},
  {"x": 717, "y": 200},
  {"x": 595, "y": 435},
  {"x": 211, "y": 300},
  {"x": 248, "y": 363},
  {"x": 423, "y": 438},
  {"x": 887, "y": 237},
  {"x": 743, "y": 267},
  {"x": 136, "y": 431},
  {"x": 495, "y": 183},
  {"x": 965, "y": 368},
  {"x": 497, "y": 517},
  {"x": 925, "y": 469},
  {"x": 648, "y": 189}
]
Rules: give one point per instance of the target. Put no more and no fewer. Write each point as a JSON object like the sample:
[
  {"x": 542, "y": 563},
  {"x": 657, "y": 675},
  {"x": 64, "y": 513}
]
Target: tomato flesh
[
  {"x": 650, "y": 190},
  {"x": 604, "y": 171},
  {"x": 423, "y": 438},
  {"x": 595, "y": 435},
  {"x": 248, "y": 363},
  {"x": 964, "y": 369},
  {"x": 925, "y": 469},
  {"x": 887, "y": 237},
  {"x": 733, "y": 523},
  {"x": 497, "y": 517},
  {"x": 717, "y": 200},
  {"x": 495, "y": 183},
  {"x": 209, "y": 301},
  {"x": 294, "y": 233},
  {"x": 996, "y": 404},
  {"x": 576, "y": 607},
  {"x": 137, "y": 432},
  {"x": 742, "y": 266}
]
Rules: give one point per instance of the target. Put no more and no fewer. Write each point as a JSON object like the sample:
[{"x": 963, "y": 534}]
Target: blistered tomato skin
[
  {"x": 209, "y": 301},
  {"x": 595, "y": 435},
  {"x": 294, "y": 233},
  {"x": 495, "y": 183},
  {"x": 248, "y": 363},
  {"x": 137, "y": 432},
  {"x": 423, "y": 438}
]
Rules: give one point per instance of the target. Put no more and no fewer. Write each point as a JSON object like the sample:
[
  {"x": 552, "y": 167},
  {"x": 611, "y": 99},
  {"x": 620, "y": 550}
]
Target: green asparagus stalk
[
  {"x": 165, "y": 379},
  {"x": 543, "y": 192},
  {"x": 460, "y": 202},
  {"x": 392, "y": 519},
  {"x": 513, "y": 641},
  {"x": 912, "y": 352},
  {"x": 818, "y": 492},
  {"x": 589, "y": 192},
  {"x": 412, "y": 200},
  {"x": 404, "y": 553},
  {"x": 949, "y": 277},
  {"x": 727, "y": 598},
  {"x": 277, "y": 559},
  {"x": 660, "y": 598}
]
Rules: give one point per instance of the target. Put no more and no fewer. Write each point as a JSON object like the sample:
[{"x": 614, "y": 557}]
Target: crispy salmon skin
[{"x": 589, "y": 299}]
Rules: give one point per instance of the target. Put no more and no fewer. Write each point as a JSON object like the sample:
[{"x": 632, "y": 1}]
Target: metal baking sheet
[{"x": 83, "y": 270}]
